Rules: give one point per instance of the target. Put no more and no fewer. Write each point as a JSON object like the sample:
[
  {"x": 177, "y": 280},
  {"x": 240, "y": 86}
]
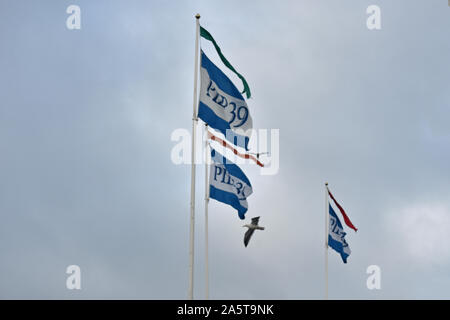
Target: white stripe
[
  {"x": 245, "y": 190},
  {"x": 220, "y": 111},
  {"x": 338, "y": 234}
]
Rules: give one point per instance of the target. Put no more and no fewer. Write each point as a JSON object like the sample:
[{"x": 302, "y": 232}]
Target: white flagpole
[
  {"x": 326, "y": 239},
  {"x": 194, "y": 122},
  {"x": 206, "y": 215}
]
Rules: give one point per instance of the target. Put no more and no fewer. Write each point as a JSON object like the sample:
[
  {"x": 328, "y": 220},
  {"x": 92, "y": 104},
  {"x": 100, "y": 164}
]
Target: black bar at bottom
[{"x": 222, "y": 309}]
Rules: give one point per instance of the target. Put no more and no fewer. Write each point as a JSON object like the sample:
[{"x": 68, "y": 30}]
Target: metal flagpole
[
  {"x": 194, "y": 122},
  {"x": 206, "y": 216},
  {"x": 327, "y": 218}
]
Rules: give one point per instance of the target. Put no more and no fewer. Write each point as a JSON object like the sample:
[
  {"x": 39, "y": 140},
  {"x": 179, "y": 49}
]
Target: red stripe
[
  {"x": 346, "y": 218},
  {"x": 236, "y": 152}
]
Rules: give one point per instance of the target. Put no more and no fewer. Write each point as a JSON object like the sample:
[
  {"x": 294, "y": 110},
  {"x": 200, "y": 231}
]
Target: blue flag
[
  {"x": 222, "y": 106},
  {"x": 336, "y": 236},
  {"x": 228, "y": 183}
]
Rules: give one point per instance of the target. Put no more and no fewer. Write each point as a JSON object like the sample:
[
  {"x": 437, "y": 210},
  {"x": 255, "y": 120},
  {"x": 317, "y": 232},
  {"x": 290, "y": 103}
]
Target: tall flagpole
[
  {"x": 206, "y": 216},
  {"x": 326, "y": 239},
  {"x": 194, "y": 122}
]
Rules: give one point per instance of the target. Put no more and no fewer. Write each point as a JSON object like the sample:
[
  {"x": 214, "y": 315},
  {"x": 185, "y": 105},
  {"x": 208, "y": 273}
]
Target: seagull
[{"x": 251, "y": 228}]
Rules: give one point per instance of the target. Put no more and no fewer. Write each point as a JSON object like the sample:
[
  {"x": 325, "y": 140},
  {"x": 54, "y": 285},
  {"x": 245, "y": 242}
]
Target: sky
[{"x": 87, "y": 179}]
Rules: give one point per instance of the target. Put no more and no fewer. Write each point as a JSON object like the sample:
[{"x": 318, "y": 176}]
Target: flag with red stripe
[
  {"x": 232, "y": 148},
  {"x": 344, "y": 215}
]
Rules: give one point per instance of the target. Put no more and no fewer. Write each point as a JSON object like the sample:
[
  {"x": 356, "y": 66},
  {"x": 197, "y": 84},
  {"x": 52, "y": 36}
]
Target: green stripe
[{"x": 205, "y": 34}]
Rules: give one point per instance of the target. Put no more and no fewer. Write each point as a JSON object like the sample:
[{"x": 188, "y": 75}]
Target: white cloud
[{"x": 423, "y": 231}]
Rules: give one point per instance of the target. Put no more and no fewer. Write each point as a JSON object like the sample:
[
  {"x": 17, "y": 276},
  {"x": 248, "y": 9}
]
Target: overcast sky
[{"x": 86, "y": 176}]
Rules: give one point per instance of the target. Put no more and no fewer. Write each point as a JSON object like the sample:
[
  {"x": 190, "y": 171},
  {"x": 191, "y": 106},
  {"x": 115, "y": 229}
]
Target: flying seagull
[{"x": 251, "y": 228}]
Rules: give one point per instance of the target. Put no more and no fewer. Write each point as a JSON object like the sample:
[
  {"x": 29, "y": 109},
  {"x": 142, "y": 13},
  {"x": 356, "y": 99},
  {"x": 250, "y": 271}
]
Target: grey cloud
[{"x": 85, "y": 124}]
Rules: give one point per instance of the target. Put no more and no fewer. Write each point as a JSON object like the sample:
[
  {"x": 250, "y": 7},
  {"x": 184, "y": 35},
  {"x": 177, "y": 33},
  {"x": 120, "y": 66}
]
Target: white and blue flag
[
  {"x": 336, "y": 236},
  {"x": 228, "y": 183},
  {"x": 222, "y": 106}
]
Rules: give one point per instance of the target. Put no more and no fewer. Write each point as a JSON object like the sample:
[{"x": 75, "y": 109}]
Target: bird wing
[
  {"x": 255, "y": 221},
  {"x": 248, "y": 235}
]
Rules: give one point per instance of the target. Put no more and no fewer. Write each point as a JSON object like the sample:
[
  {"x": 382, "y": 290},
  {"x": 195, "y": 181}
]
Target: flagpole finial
[
  {"x": 197, "y": 16},
  {"x": 326, "y": 183}
]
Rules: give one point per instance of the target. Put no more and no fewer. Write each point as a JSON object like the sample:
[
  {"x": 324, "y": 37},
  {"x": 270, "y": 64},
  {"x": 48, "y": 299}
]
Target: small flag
[
  {"x": 235, "y": 151},
  {"x": 228, "y": 183},
  {"x": 222, "y": 106},
  {"x": 336, "y": 236},
  {"x": 344, "y": 215},
  {"x": 205, "y": 34}
]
